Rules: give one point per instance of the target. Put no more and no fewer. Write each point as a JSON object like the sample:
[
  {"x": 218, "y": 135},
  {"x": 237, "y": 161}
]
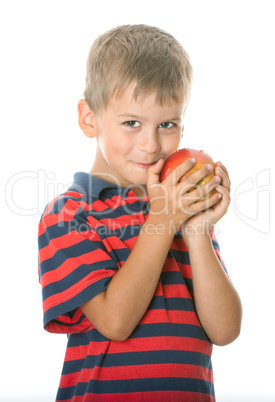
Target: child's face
[{"x": 132, "y": 135}]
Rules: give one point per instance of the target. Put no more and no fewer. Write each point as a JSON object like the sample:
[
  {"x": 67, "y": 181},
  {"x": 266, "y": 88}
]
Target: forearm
[
  {"x": 217, "y": 302},
  {"x": 117, "y": 311}
]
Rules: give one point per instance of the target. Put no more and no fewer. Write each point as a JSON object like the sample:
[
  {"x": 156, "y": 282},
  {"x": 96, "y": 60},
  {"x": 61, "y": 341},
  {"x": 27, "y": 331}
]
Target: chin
[{"x": 138, "y": 182}]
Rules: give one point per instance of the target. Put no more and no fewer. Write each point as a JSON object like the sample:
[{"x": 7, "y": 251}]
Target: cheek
[
  {"x": 171, "y": 144},
  {"x": 114, "y": 148},
  {"x": 122, "y": 147}
]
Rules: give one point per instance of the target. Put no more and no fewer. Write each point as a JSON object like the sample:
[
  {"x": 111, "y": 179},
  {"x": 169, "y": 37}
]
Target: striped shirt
[{"x": 85, "y": 236}]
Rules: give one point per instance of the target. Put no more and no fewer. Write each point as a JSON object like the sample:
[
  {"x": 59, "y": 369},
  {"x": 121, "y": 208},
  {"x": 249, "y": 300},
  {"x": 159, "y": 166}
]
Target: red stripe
[
  {"x": 80, "y": 326},
  {"x": 114, "y": 243},
  {"x": 112, "y": 203},
  {"x": 74, "y": 194},
  {"x": 57, "y": 328},
  {"x": 122, "y": 221},
  {"x": 157, "y": 396},
  {"x": 129, "y": 243},
  {"x": 59, "y": 243},
  {"x": 140, "y": 345},
  {"x": 172, "y": 265},
  {"x": 174, "y": 316},
  {"x": 70, "y": 204},
  {"x": 178, "y": 244},
  {"x": 185, "y": 270},
  {"x": 77, "y": 288},
  {"x": 70, "y": 264},
  {"x": 51, "y": 220},
  {"x": 67, "y": 212},
  {"x": 69, "y": 320},
  {"x": 167, "y": 291}
]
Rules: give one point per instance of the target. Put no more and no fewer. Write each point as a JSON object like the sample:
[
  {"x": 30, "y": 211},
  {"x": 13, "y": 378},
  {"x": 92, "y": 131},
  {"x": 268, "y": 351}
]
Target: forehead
[{"x": 127, "y": 99}]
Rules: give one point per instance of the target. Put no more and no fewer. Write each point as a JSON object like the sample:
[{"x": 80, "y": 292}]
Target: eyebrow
[
  {"x": 129, "y": 115},
  {"x": 135, "y": 117}
]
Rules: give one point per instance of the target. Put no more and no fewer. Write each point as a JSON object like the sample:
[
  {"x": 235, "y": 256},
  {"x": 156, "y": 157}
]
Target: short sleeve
[{"x": 74, "y": 266}]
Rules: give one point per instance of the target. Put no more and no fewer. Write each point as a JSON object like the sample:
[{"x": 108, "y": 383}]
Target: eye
[
  {"x": 167, "y": 124},
  {"x": 132, "y": 123}
]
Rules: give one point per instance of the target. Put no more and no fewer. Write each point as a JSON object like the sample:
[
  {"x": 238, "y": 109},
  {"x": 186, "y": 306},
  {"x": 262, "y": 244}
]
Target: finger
[
  {"x": 205, "y": 204},
  {"x": 175, "y": 176},
  {"x": 154, "y": 172},
  {"x": 222, "y": 166},
  {"x": 196, "y": 177},
  {"x": 224, "y": 192},
  {"x": 225, "y": 181},
  {"x": 202, "y": 191},
  {"x": 222, "y": 169}
]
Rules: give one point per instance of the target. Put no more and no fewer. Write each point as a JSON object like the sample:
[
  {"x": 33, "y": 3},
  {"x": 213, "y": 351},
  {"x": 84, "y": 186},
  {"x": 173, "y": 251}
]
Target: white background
[{"x": 44, "y": 46}]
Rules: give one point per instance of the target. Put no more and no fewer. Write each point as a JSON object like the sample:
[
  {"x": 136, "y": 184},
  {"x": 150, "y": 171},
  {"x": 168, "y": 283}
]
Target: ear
[
  {"x": 86, "y": 119},
  {"x": 182, "y": 129}
]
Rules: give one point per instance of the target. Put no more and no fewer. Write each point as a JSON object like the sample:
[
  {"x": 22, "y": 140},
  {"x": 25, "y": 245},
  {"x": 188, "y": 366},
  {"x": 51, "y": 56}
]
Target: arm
[
  {"x": 117, "y": 311},
  {"x": 217, "y": 302}
]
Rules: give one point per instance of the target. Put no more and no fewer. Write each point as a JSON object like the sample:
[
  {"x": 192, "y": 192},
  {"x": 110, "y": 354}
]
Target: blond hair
[{"x": 148, "y": 57}]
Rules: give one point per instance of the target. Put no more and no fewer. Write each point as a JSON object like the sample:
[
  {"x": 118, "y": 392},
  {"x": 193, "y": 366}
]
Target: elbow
[
  {"x": 226, "y": 337},
  {"x": 115, "y": 331},
  {"x": 115, "y": 335},
  {"x": 118, "y": 337},
  {"x": 108, "y": 322},
  {"x": 228, "y": 330}
]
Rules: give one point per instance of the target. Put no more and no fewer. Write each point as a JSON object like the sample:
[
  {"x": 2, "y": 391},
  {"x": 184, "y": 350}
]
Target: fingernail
[
  {"x": 209, "y": 167},
  {"x": 193, "y": 160},
  {"x": 217, "y": 178},
  {"x": 220, "y": 169}
]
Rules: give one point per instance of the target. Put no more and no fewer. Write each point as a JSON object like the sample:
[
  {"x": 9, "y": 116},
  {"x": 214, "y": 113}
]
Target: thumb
[{"x": 154, "y": 172}]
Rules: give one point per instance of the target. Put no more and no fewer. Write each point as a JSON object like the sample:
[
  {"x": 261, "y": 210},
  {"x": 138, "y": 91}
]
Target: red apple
[{"x": 180, "y": 156}]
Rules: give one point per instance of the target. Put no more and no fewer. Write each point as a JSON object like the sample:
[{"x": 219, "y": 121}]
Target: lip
[{"x": 144, "y": 165}]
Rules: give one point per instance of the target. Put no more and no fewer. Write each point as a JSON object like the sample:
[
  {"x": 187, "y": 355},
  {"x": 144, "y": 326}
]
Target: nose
[{"x": 149, "y": 142}]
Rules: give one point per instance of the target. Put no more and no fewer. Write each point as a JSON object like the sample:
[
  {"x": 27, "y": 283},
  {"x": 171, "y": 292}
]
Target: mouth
[{"x": 144, "y": 165}]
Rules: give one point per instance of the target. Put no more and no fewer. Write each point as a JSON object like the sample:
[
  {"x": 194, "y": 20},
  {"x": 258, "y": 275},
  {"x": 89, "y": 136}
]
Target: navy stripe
[
  {"x": 64, "y": 228},
  {"x": 149, "y": 384},
  {"x": 172, "y": 278},
  {"x": 78, "y": 300},
  {"x": 125, "y": 232},
  {"x": 136, "y": 385},
  {"x": 145, "y": 331},
  {"x": 151, "y": 331},
  {"x": 138, "y": 358},
  {"x": 169, "y": 329},
  {"x": 76, "y": 276},
  {"x": 77, "y": 250},
  {"x": 172, "y": 303},
  {"x": 119, "y": 255},
  {"x": 70, "y": 315},
  {"x": 179, "y": 256},
  {"x": 189, "y": 283},
  {"x": 84, "y": 339}
]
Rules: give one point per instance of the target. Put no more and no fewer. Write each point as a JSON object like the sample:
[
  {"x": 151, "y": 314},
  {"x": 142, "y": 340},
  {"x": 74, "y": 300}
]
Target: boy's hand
[
  {"x": 202, "y": 222},
  {"x": 170, "y": 200}
]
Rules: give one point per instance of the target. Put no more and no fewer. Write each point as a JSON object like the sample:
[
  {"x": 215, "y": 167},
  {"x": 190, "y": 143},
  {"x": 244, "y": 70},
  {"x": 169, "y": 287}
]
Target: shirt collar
[{"x": 93, "y": 186}]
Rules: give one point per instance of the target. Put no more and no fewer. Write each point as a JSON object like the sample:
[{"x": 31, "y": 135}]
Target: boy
[{"x": 129, "y": 266}]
